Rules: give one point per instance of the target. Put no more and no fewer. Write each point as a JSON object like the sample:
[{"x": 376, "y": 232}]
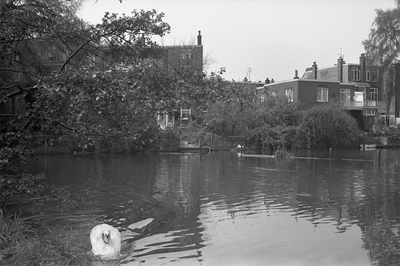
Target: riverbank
[
  {"x": 27, "y": 242},
  {"x": 45, "y": 227}
]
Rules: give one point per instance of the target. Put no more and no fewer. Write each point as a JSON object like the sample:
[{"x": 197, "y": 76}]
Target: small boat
[
  {"x": 187, "y": 149},
  {"x": 367, "y": 146}
]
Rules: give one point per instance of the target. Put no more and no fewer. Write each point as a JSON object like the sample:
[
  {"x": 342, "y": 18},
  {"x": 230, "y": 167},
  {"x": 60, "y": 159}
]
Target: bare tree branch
[
  {"x": 21, "y": 71},
  {"x": 36, "y": 117},
  {"x": 73, "y": 54}
]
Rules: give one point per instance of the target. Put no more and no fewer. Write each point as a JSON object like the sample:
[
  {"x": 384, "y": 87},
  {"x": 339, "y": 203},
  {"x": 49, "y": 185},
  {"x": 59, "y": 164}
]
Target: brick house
[
  {"x": 357, "y": 86},
  {"x": 190, "y": 56}
]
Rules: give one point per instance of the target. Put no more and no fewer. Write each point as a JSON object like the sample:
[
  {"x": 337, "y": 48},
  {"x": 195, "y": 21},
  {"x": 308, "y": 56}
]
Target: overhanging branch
[
  {"x": 36, "y": 117},
  {"x": 21, "y": 71},
  {"x": 73, "y": 54}
]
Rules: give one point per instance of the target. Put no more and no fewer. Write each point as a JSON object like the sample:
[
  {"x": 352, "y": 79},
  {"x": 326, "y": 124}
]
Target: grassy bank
[{"x": 23, "y": 242}]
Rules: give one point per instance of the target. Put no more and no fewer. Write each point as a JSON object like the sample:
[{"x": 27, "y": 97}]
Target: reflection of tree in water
[
  {"x": 347, "y": 193},
  {"x": 368, "y": 195},
  {"x": 378, "y": 216},
  {"x": 371, "y": 196}
]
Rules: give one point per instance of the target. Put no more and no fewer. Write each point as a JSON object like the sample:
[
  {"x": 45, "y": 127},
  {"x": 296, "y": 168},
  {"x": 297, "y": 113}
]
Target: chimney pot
[
  {"x": 340, "y": 69},
  {"x": 199, "y": 41},
  {"x": 363, "y": 67},
  {"x": 296, "y": 74},
  {"x": 314, "y": 70}
]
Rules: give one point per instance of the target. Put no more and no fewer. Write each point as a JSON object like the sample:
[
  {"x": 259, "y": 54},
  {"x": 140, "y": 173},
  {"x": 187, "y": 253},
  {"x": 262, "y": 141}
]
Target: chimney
[
  {"x": 314, "y": 71},
  {"x": 296, "y": 74},
  {"x": 363, "y": 66},
  {"x": 340, "y": 68},
  {"x": 199, "y": 38}
]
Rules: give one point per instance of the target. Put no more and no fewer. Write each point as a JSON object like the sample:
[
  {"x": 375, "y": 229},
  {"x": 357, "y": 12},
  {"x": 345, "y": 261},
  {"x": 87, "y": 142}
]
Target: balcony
[{"x": 359, "y": 105}]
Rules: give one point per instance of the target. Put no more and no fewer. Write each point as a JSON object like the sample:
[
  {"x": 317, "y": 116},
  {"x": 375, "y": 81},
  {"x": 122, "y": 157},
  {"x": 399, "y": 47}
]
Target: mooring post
[{"x": 378, "y": 154}]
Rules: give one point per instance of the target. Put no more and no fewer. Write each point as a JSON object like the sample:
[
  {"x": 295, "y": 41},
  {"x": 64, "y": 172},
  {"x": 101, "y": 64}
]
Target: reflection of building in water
[
  {"x": 177, "y": 188},
  {"x": 176, "y": 179}
]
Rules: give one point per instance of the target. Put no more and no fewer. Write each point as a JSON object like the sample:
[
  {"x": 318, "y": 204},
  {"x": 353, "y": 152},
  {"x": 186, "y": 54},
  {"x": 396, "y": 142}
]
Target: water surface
[{"x": 226, "y": 209}]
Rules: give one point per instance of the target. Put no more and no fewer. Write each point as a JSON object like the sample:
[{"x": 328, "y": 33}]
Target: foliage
[
  {"x": 383, "y": 47},
  {"x": 329, "y": 126},
  {"x": 115, "y": 108},
  {"x": 272, "y": 122},
  {"x": 169, "y": 138},
  {"x": 229, "y": 113},
  {"x": 393, "y": 133},
  {"x": 275, "y": 124},
  {"x": 195, "y": 90},
  {"x": 194, "y": 134},
  {"x": 107, "y": 104},
  {"x": 22, "y": 244},
  {"x": 102, "y": 89}
]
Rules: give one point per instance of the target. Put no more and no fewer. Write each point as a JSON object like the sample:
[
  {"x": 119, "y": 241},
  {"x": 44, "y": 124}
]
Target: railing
[
  {"x": 370, "y": 103},
  {"x": 354, "y": 104},
  {"x": 361, "y": 103}
]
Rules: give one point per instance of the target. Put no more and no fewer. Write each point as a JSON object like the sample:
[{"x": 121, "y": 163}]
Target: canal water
[{"x": 339, "y": 207}]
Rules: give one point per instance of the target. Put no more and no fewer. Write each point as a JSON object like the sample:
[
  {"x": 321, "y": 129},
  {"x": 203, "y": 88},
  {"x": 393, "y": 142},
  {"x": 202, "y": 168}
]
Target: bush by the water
[{"x": 329, "y": 126}]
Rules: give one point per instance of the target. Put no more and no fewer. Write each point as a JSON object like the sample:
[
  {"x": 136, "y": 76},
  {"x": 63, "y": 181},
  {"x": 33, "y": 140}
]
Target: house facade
[
  {"x": 358, "y": 87},
  {"x": 188, "y": 56},
  {"x": 176, "y": 57}
]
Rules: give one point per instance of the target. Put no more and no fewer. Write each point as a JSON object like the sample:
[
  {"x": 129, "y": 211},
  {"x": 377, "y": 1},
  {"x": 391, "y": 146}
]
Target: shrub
[
  {"x": 22, "y": 244},
  {"x": 329, "y": 126},
  {"x": 168, "y": 138}
]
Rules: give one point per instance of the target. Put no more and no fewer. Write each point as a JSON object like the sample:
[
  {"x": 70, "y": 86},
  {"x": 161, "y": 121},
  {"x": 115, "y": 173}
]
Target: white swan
[{"x": 106, "y": 241}]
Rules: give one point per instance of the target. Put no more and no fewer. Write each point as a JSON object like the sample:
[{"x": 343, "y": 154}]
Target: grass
[{"x": 23, "y": 242}]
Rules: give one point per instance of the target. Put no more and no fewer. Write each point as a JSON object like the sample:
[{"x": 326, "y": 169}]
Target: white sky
[{"x": 272, "y": 37}]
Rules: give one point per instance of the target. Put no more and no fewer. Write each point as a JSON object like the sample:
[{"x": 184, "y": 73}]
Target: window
[
  {"x": 186, "y": 58},
  {"x": 345, "y": 95},
  {"x": 274, "y": 93},
  {"x": 355, "y": 74},
  {"x": 322, "y": 94},
  {"x": 370, "y": 112},
  {"x": 262, "y": 96},
  {"x": 374, "y": 75},
  {"x": 374, "y": 94},
  {"x": 185, "y": 114},
  {"x": 289, "y": 94},
  {"x": 367, "y": 76}
]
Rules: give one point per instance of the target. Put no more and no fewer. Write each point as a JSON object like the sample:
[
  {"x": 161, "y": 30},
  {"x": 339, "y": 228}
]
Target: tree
[
  {"x": 383, "y": 47},
  {"x": 274, "y": 123},
  {"x": 77, "y": 99},
  {"x": 225, "y": 114},
  {"x": 341, "y": 131},
  {"x": 271, "y": 122},
  {"x": 55, "y": 22}
]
